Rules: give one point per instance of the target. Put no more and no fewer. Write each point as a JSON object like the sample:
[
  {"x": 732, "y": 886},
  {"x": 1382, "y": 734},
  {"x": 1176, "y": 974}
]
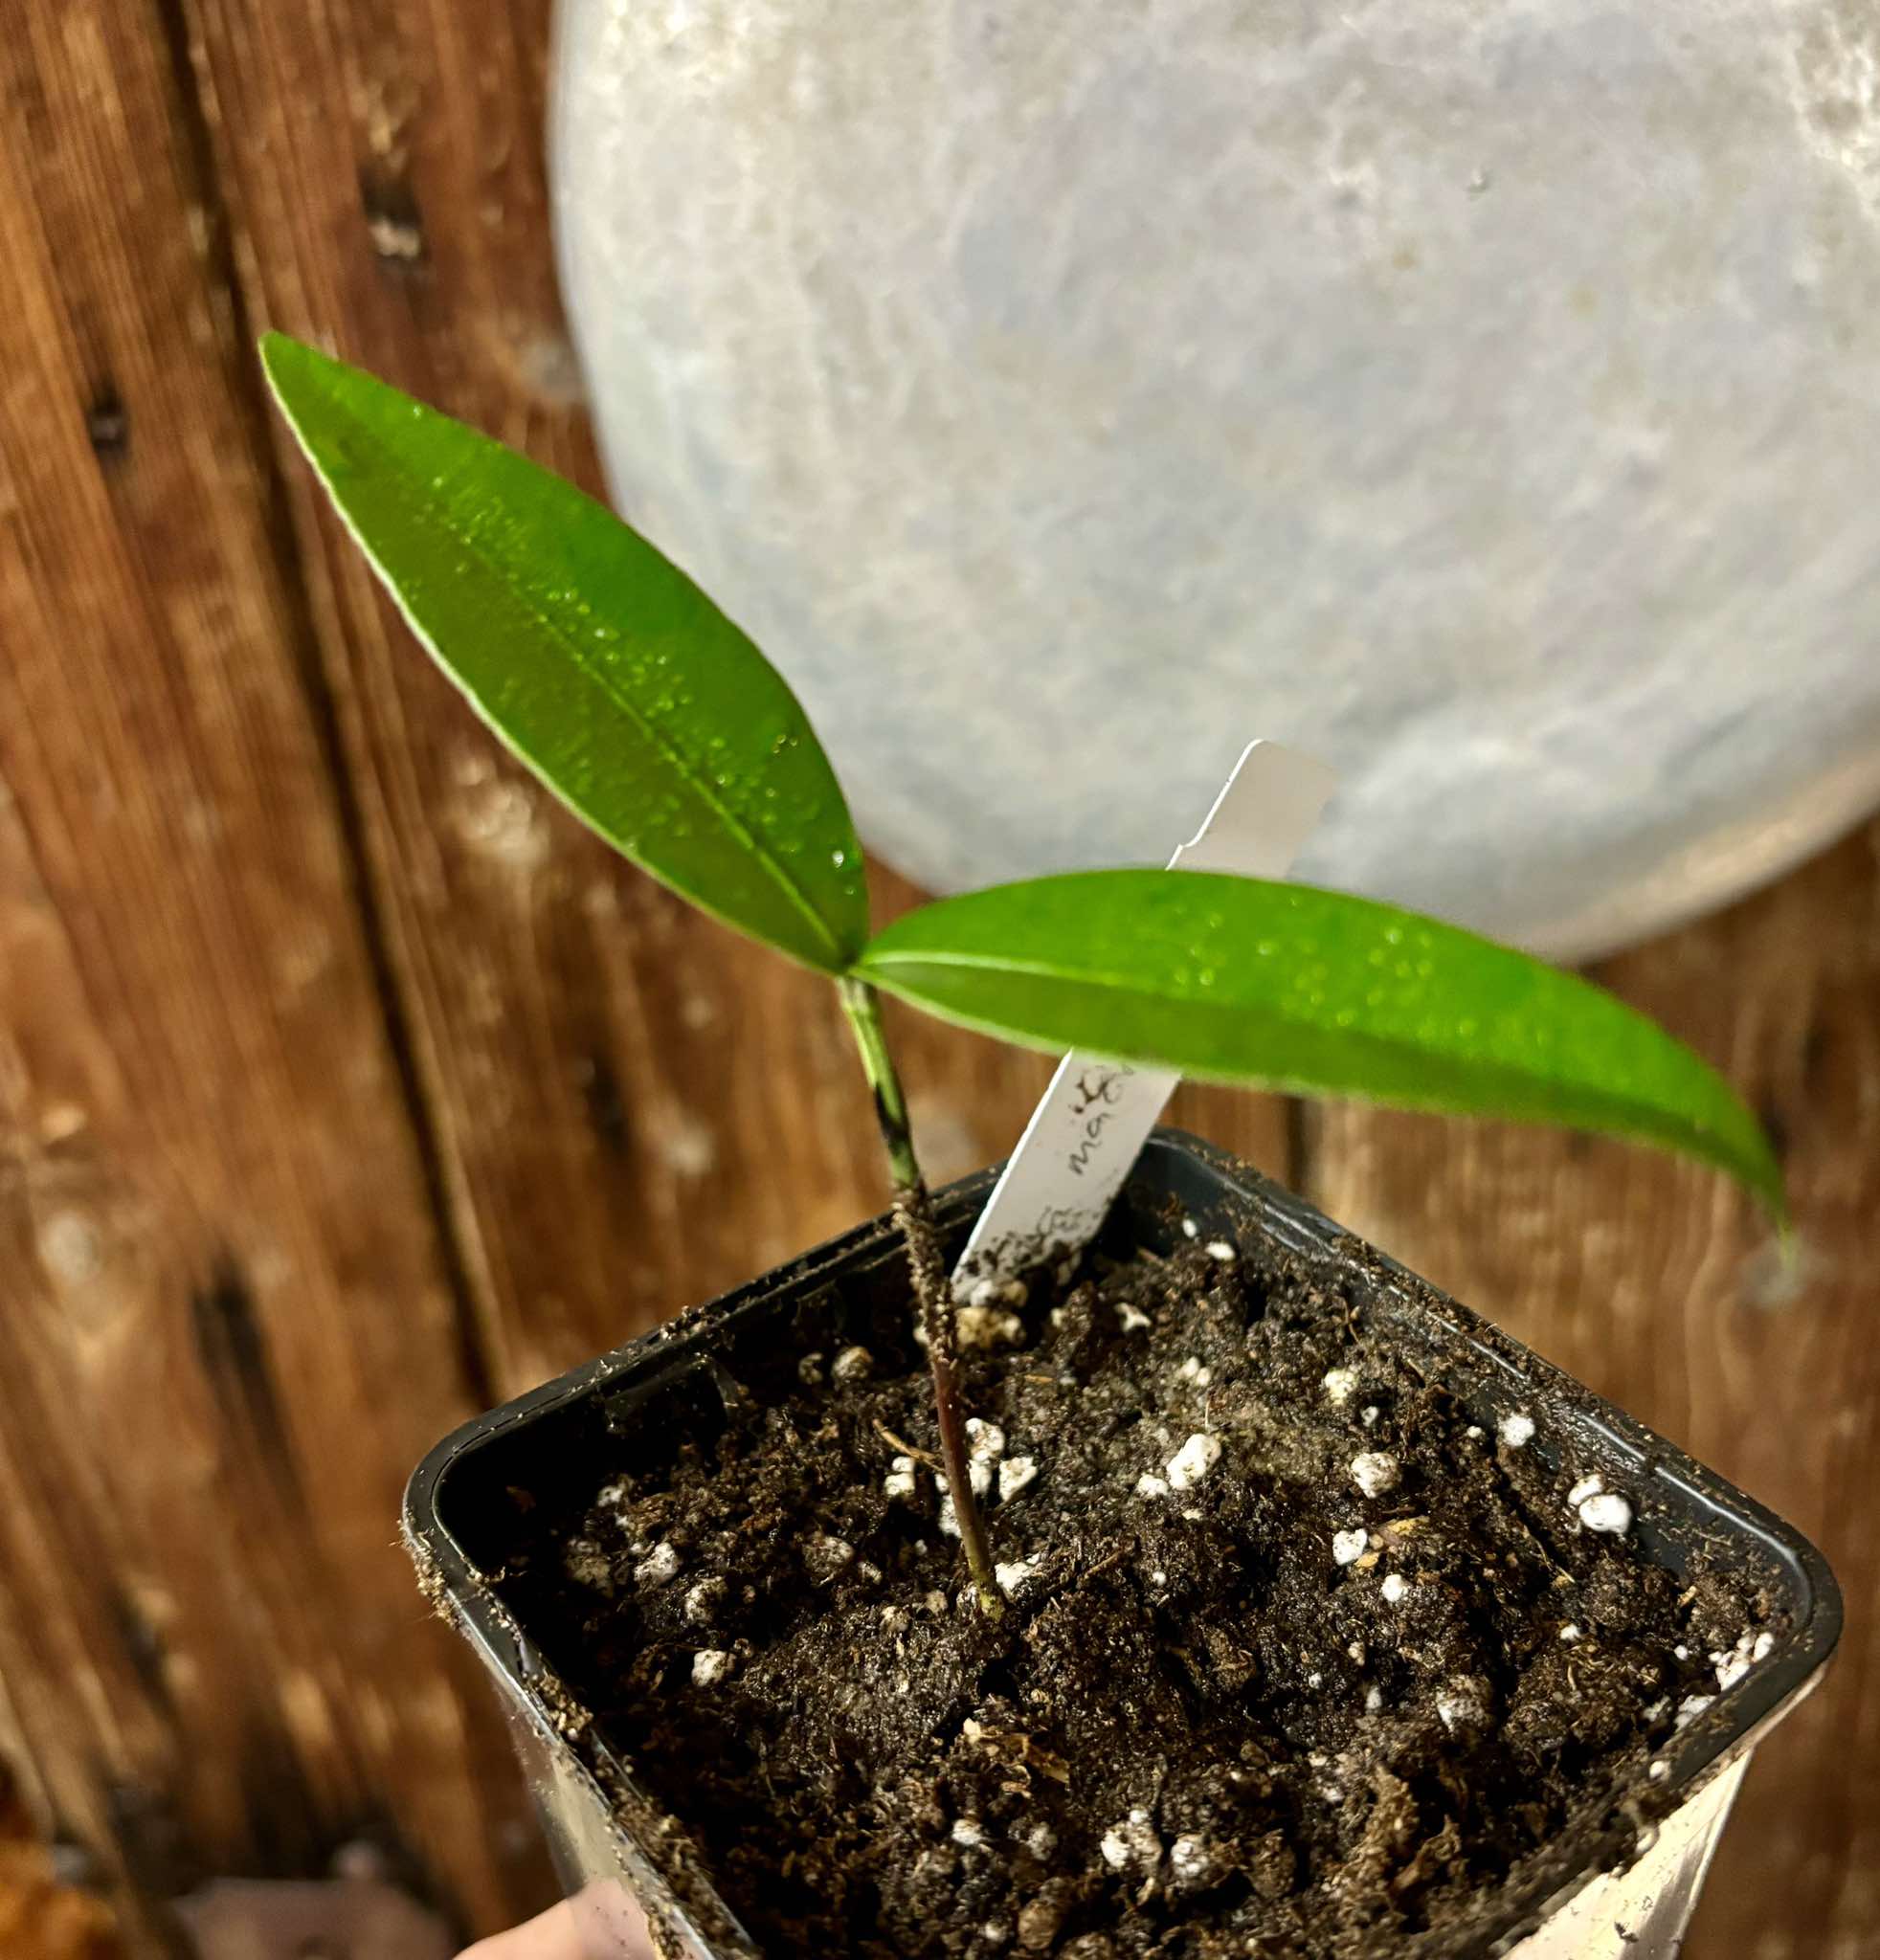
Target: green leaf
[
  {"x": 1292, "y": 988},
  {"x": 600, "y": 664}
]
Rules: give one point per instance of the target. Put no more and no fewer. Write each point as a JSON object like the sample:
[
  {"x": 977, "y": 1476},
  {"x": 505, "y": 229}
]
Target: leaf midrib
[
  {"x": 1608, "y": 1110},
  {"x": 427, "y": 513},
  {"x": 1117, "y": 984}
]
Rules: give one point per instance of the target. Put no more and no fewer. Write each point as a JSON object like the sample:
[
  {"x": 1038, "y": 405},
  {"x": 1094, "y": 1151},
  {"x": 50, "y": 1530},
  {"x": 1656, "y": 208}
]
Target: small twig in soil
[{"x": 907, "y": 1449}]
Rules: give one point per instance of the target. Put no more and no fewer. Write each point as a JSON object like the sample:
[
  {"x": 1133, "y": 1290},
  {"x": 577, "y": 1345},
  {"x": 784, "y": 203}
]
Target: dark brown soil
[{"x": 1194, "y": 1731}]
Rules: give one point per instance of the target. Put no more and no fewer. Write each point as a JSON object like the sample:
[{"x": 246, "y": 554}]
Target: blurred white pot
[{"x": 1483, "y": 394}]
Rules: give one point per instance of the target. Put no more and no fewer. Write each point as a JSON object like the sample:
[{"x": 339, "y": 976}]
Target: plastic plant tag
[{"x": 1093, "y": 1119}]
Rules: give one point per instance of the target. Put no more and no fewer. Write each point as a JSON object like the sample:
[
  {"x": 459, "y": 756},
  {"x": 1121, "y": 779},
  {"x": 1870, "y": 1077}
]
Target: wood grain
[
  {"x": 343, "y": 1081},
  {"x": 225, "y": 1323}
]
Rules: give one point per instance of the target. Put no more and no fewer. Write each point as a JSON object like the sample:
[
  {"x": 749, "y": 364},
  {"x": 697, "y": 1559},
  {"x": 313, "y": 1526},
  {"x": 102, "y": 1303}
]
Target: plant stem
[{"x": 913, "y": 1213}]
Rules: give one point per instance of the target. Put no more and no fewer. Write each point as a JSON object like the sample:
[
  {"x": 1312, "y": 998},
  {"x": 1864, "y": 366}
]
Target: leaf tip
[
  {"x": 292, "y": 368},
  {"x": 1775, "y": 1198},
  {"x": 1759, "y": 1170},
  {"x": 277, "y": 350}
]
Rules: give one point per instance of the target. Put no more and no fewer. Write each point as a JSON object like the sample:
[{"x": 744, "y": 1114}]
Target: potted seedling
[{"x": 1218, "y": 1588}]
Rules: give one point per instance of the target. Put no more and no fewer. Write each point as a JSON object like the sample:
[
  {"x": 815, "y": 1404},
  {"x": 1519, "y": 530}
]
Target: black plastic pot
[{"x": 607, "y": 1832}]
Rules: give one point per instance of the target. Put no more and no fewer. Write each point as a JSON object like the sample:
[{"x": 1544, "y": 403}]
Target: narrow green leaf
[
  {"x": 1312, "y": 991},
  {"x": 598, "y": 663}
]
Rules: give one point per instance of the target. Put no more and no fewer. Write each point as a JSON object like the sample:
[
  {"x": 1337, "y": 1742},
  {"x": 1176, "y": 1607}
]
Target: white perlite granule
[
  {"x": 1149, "y": 1484},
  {"x": 1014, "y": 1474},
  {"x": 1348, "y": 1546},
  {"x": 968, "y": 1831},
  {"x": 1601, "y": 1509},
  {"x": 825, "y": 1558},
  {"x": 1340, "y": 1385},
  {"x": 1734, "y": 1663},
  {"x": 1130, "y": 1317},
  {"x": 900, "y": 1482},
  {"x": 1376, "y": 1472},
  {"x": 1219, "y": 1249},
  {"x": 988, "y": 1326},
  {"x": 1394, "y": 1588},
  {"x": 985, "y": 1445},
  {"x": 1016, "y": 1577},
  {"x": 704, "y": 1599},
  {"x": 1135, "y": 1842},
  {"x": 1193, "y": 1862},
  {"x": 1605, "y": 1511},
  {"x": 1570, "y": 1632},
  {"x": 1464, "y": 1703},
  {"x": 709, "y": 1667},
  {"x": 1190, "y": 1230},
  {"x": 1192, "y": 1461},
  {"x": 1194, "y": 1369},
  {"x": 658, "y": 1565},
  {"x": 1516, "y": 1430},
  {"x": 1731, "y": 1668}
]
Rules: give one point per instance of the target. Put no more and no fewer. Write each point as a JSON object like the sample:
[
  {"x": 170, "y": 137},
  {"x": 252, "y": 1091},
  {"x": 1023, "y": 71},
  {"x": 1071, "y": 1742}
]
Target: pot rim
[{"x": 1503, "y": 1371}]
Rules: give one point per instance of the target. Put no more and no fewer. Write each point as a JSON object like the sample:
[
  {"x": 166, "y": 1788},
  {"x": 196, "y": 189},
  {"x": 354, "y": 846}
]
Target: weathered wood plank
[
  {"x": 225, "y": 1326},
  {"x": 1655, "y": 1284}
]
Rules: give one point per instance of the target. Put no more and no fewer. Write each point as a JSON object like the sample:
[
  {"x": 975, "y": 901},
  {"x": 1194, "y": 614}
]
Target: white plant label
[{"x": 1086, "y": 1134}]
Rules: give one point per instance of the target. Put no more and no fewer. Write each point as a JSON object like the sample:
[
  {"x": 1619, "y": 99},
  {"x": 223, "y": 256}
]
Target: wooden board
[
  {"x": 344, "y": 1081},
  {"x": 227, "y": 1325}
]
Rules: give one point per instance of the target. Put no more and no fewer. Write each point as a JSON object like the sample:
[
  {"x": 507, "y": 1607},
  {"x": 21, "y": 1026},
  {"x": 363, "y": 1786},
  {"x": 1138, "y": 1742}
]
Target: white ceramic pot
[{"x": 1482, "y": 394}]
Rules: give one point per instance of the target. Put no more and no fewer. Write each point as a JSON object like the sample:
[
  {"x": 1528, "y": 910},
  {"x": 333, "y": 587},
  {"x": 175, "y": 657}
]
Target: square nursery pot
[{"x": 1603, "y": 1888}]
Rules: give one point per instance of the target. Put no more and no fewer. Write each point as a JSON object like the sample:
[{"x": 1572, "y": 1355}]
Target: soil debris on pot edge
[{"x": 1300, "y": 1658}]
